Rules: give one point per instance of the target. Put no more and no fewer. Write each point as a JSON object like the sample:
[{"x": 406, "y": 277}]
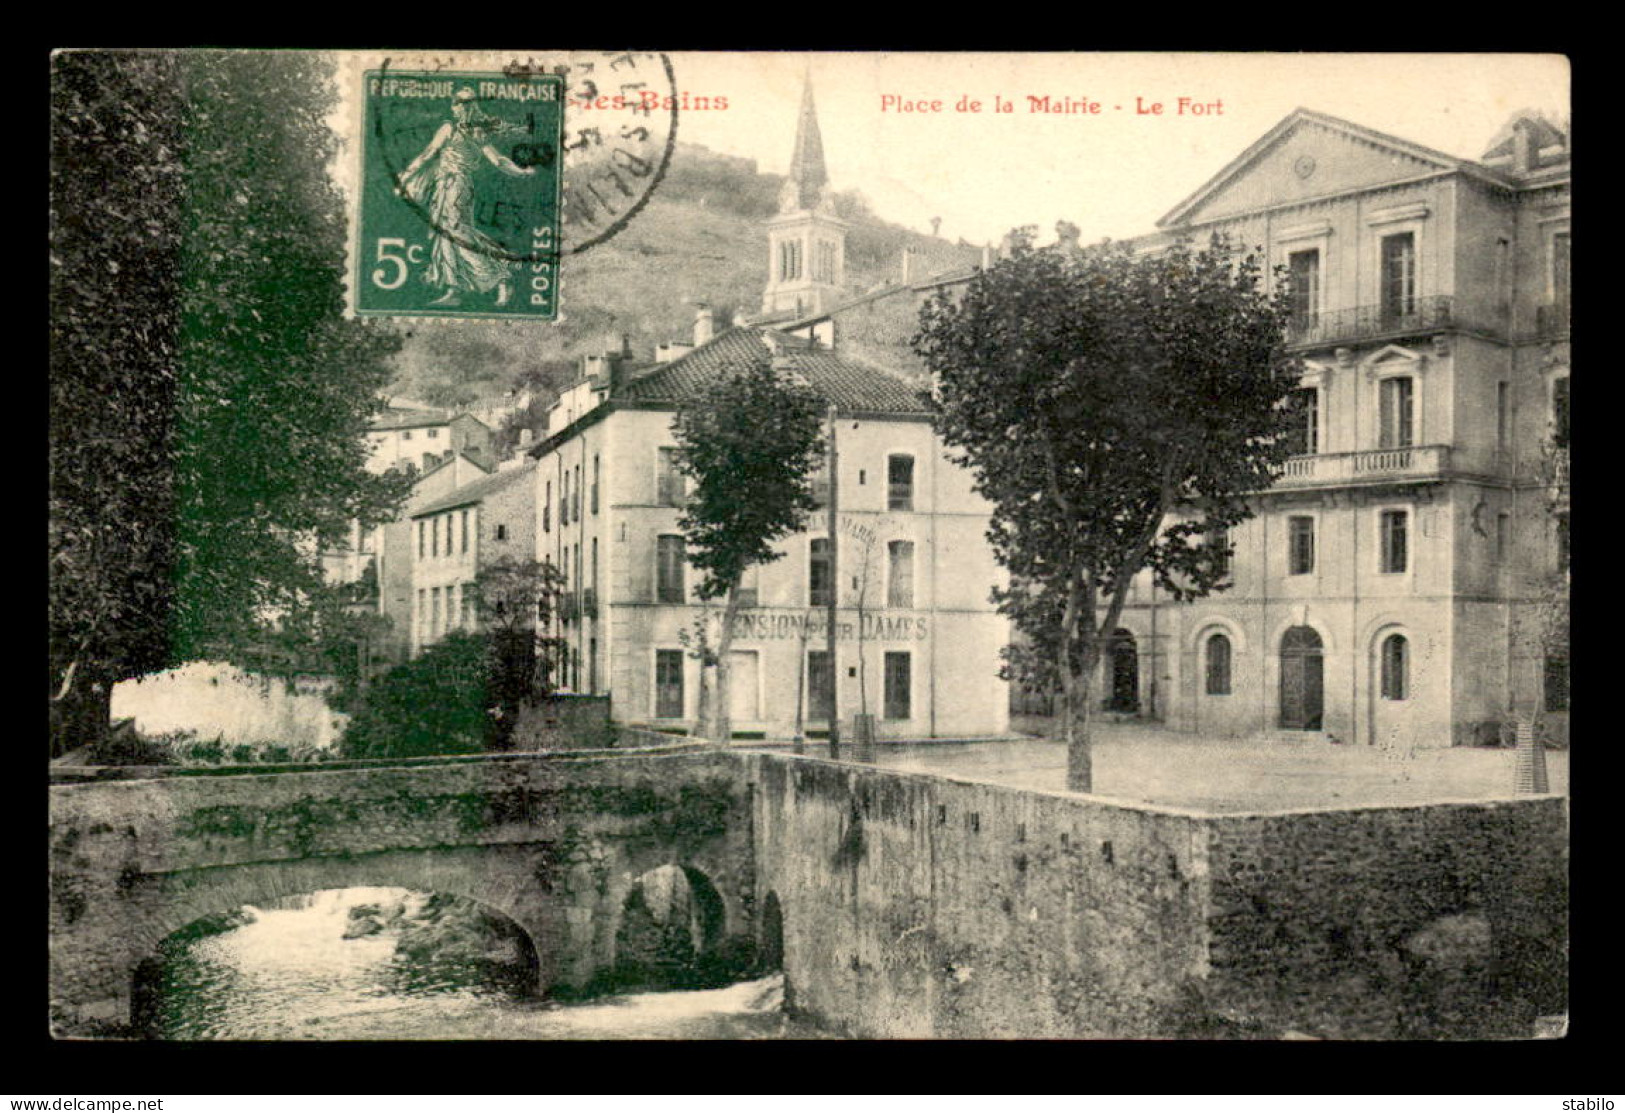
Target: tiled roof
[
  {"x": 852, "y": 385},
  {"x": 479, "y": 490}
]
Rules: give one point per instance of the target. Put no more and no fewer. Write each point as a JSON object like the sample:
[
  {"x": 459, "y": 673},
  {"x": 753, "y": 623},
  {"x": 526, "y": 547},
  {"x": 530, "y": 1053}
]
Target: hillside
[{"x": 700, "y": 239}]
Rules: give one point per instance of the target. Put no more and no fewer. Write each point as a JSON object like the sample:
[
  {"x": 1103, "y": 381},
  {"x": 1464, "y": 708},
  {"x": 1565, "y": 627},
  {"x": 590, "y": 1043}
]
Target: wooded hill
[{"x": 700, "y": 239}]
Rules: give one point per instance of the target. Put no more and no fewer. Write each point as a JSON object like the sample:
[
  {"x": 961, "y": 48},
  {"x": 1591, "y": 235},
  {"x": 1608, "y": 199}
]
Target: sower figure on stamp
[{"x": 462, "y": 257}]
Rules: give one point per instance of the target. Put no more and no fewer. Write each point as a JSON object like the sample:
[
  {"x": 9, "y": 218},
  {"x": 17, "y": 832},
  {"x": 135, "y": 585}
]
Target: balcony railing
[
  {"x": 569, "y": 607},
  {"x": 1367, "y": 322},
  {"x": 1415, "y": 462},
  {"x": 589, "y": 602}
]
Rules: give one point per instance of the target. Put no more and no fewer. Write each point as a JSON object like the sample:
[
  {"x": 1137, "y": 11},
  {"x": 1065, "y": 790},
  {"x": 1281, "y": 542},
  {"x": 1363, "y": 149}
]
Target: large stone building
[
  {"x": 1398, "y": 582},
  {"x": 918, "y": 641}
]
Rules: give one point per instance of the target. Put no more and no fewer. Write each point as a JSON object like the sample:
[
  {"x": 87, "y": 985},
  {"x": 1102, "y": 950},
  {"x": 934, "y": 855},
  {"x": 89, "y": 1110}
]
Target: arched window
[
  {"x": 1395, "y": 667},
  {"x": 1218, "y": 665}
]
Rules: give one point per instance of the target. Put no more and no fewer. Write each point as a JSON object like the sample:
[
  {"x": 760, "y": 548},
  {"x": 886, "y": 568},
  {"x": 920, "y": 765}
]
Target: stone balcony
[
  {"x": 1419, "y": 317},
  {"x": 1379, "y": 465}
]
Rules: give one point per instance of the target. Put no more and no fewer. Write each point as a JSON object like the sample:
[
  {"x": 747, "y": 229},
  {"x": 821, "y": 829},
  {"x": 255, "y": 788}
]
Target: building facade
[
  {"x": 918, "y": 641},
  {"x": 456, "y": 534},
  {"x": 1392, "y": 586}
]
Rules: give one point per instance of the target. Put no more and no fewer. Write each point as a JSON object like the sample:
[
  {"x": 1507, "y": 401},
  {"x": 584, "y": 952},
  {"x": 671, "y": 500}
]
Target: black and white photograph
[{"x": 601, "y": 545}]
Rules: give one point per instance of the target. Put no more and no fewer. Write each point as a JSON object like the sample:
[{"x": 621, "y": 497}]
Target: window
[
  {"x": 1395, "y": 665},
  {"x": 406, "y": 434},
  {"x": 1395, "y": 413},
  {"x": 423, "y": 533},
  {"x": 1394, "y": 524},
  {"x": 900, "y": 574},
  {"x": 899, "y": 686},
  {"x": 820, "y": 486},
  {"x": 1560, "y": 268},
  {"x": 1218, "y": 665},
  {"x": 820, "y": 685},
  {"x": 1303, "y": 276},
  {"x": 433, "y": 434},
  {"x": 900, "y": 483},
  {"x": 1219, "y": 542},
  {"x": 575, "y": 491},
  {"x": 595, "y": 478},
  {"x": 1398, "y": 276},
  {"x": 820, "y": 582},
  {"x": 592, "y": 584},
  {"x": 1561, "y": 526},
  {"x": 454, "y": 606},
  {"x": 1301, "y": 545},
  {"x": 423, "y": 614},
  {"x": 749, "y": 587},
  {"x": 1556, "y": 683},
  {"x": 434, "y": 612},
  {"x": 1503, "y": 415},
  {"x": 502, "y": 532},
  {"x": 592, "y": 665},
  {"x": 465, "y": 531},
  {"x": 1560, "y": 412},
  {"x": 1305, "y": 434},
  {"x": 671, "y": 488},
  {"x": 564, "y": 497},
  {"x": 468, "y": 607},
  {"x": 547, "y": 509},
  {"x": 668, "y": 684},
  {"x": 789, "y": 260},
  {"x": 669, "y": 568}
]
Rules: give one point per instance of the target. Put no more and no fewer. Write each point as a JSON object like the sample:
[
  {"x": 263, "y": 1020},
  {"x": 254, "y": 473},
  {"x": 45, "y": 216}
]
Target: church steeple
[
  {"x": 804, "y": 188},
  {"x": 806, "y": 241}
]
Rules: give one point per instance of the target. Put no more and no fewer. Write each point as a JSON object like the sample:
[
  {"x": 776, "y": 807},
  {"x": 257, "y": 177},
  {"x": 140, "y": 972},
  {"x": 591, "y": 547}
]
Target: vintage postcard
[{"x": 556, "y": 544}]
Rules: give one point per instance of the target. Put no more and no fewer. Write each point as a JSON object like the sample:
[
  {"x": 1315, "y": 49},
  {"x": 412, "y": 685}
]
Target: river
[{"x": 291, "y": 975}]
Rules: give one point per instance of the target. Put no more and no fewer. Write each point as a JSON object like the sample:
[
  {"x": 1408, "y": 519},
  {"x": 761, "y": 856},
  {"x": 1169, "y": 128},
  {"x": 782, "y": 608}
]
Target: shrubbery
[{"x": 438, "y": 703}]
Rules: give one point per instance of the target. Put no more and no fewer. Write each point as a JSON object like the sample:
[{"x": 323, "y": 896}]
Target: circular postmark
[
  {"x": 620, "y": 132},
  {"x": 476, "y": 183}
]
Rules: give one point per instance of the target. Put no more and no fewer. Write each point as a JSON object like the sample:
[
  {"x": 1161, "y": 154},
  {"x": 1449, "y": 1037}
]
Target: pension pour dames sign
[{"x": 774, "y": 625}]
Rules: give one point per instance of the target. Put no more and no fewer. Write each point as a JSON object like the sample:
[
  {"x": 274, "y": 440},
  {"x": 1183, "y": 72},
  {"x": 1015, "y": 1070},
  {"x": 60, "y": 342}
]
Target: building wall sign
[{"x": 770, "y": 625}]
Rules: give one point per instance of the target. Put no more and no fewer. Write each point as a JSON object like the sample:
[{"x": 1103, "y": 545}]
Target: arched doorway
[
  {"x": 1124, "y": 694},
  {"x": 1302, "y": 680}
]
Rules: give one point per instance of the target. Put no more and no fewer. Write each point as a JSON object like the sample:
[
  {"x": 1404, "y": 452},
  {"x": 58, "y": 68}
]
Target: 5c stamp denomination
[{"x": 460, "y": 195}]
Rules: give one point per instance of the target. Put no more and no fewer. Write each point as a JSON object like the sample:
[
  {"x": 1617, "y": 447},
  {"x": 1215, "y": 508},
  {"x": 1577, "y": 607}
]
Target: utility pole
[{"x": 834, "y": 594}]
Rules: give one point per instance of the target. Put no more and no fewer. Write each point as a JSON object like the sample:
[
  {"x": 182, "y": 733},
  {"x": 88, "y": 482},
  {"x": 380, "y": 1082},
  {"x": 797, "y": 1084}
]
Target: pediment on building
[{"x": 1305, "y": 156}]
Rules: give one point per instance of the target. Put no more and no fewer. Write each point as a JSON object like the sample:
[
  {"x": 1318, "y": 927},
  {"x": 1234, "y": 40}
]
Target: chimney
[
  {"x": 525, "y": 436},
  {"x": 987, "y": 256},
  {"x": 1066, "y": 236},
  {"x": 739, "y": 318},
  {"x": 703, "y": 328},
  {"x": 1523, "y": 148},
  {"x": 596, "y": 369}
]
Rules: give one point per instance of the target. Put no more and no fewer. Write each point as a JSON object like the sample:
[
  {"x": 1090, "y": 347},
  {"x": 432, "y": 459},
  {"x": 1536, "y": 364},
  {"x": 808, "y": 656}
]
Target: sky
[{"x": 1114, "y": 173}]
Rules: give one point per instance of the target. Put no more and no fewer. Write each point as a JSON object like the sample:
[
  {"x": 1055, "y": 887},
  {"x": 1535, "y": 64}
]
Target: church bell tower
[{"x": 806, "y": 240}]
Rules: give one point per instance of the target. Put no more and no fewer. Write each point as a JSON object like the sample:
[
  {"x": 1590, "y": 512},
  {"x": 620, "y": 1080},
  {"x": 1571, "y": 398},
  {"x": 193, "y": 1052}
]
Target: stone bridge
[{"x": 900, "y": 905}]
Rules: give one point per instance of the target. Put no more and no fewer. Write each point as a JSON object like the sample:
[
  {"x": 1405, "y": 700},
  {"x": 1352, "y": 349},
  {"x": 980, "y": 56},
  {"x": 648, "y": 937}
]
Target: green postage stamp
[{"x": 459, "y": 195}]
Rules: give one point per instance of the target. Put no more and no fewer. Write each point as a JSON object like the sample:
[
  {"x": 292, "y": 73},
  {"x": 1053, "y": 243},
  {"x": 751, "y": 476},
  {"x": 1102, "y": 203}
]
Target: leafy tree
[
  {"x": 1116, "y": 411},
  {"x": 209, "y": 402},
  {"x": 515, "y": 599},
  {"x": 749, "y": 442},
  {"x": 437, "y": 703}
]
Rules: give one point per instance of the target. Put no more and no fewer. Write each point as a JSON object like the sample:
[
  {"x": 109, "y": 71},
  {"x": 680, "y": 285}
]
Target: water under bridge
[{"x": 900, "y": 904}]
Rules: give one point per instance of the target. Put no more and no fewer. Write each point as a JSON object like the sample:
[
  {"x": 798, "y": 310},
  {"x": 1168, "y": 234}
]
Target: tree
[
  {"x": 437, "y": 703},
  {"x": 514, "y": 600},
  {"x": 1116, "y": 411},
  {"x": 209, "y": 402},
  {"x": 749, "y": 443}
]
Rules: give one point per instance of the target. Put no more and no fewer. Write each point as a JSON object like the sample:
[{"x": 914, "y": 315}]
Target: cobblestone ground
[{"x": 1144, "y": 763}]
